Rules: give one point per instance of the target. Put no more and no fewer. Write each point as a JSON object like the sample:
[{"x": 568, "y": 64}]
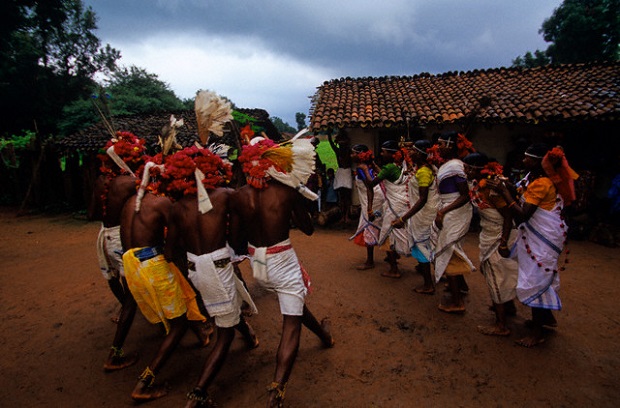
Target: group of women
[{"x": 420, "y": 203}]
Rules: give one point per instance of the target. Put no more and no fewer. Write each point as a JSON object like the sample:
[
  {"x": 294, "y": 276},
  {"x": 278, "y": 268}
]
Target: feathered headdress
[
  {"x": 212, "y": 112},
  {"x": 291, "y": 163},
  {"x": 168, "y": 137}
]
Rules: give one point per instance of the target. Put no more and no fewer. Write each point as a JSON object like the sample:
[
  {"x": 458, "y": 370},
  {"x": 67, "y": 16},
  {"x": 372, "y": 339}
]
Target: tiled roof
[
  {"x": 501, "y": 95},
  {"x": 149, "y": 126}
]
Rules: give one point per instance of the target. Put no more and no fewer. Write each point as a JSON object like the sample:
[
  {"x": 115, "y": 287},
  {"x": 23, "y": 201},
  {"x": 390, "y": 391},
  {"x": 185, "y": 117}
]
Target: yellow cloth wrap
[
  {"x": 193, "y": 312},
  {"x": 160, "y": 291}
]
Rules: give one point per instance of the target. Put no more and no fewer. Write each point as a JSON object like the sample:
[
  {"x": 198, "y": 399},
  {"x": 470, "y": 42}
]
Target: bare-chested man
[
  {"x": 263, "y": 216},
  {"x": 196, "y": 242},
  {"x": 109, "y": 196},
  {"x": 147, "y": 272}
]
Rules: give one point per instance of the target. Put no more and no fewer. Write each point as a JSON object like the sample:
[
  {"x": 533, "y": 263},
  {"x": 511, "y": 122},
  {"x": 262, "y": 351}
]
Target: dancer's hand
[{"x": 439, "y": 219}]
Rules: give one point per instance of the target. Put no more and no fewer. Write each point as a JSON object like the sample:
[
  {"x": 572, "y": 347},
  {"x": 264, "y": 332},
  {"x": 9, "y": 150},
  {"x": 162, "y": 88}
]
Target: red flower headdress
[
  {"x": 563, "y": 176},
  {"x": 129, "y": 147},
  {"x": 366, "y": 157},
  {"x": 179, "y": 177},
  {"x": 464, "y": 146},
  {"x": 434, "y": 157},
  {"x": 492, "y": 169},
  {"x": 402, "y": 155}
]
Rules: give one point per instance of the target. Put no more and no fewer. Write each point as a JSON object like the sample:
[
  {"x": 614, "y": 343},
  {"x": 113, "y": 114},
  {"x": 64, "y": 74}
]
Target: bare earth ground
[{"x": 394, "y": 348}]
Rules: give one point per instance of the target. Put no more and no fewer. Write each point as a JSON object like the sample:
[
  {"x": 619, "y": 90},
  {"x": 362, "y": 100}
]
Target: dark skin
[
  {"x": 456, "y": 283},
  {"x": 499, "y": 328},
  {"x": 523, "y": 212},
  {"x": 119, "y": 189},
  {"x": 370, "y": 256},
  {"x": 191, "y": 231},
  {"x": 343, "y": 157},
  {"x": 263, "y": 218},
  {"x": 425, "y": 268},
  {"x": 387, "y": 156},
  {"x": 146, "y": 228}
]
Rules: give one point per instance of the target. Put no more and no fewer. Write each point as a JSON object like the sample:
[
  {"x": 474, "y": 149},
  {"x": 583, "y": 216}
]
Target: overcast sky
[{"x": 273, "y": 54}]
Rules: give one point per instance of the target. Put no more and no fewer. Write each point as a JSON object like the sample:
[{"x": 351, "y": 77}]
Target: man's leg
[
  {"x": 247, "y": 332},
  {"x": 117, "y": 360},
  {"x": 116, "y": 286},
  {"x": 145, "y": 389},
  {"x": 322, "y": 330},
  {"x": 213, "y": 364},
  {"x": 285, "y": 359}
]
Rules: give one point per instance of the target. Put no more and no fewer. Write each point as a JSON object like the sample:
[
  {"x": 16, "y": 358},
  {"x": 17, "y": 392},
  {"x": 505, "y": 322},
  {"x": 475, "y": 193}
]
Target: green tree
[
  {"x": 129, "y": 91},
  {"x": 300, "y": 118},
  {"x": 580, "y": 31},
  {"x": 49, "y": 55},
  {"x": 529, "y": 60},
  {"x": 281, "y": 125}
]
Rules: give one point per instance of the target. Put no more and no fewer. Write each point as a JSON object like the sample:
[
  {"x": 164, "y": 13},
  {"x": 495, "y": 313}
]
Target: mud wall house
[
  {"x": 80, "y": 149},
  {"x": 576, "y": 106}
]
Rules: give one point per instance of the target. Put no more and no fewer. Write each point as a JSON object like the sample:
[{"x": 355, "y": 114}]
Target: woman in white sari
[
  {"x": 368, "y": 231},
  {"x": 419, "y": 218},
  {"x": 393, "y": 179},
  {"x": 496, "y": 235},
  {"x": 452, "y": 223},
  {"x": 542, "y": 233}
]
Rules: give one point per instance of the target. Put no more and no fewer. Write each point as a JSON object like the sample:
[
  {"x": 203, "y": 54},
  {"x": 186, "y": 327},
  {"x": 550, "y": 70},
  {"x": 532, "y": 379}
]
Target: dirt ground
[{"x": 394, "y": 348}]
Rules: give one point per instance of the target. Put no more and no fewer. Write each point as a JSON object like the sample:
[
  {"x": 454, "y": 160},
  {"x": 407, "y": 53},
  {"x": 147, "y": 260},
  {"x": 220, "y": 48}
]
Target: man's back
[
  {"x": 264, "y": 215},
  {"x": 146, "y": 227},
  {"x": 196, "y": 232}
]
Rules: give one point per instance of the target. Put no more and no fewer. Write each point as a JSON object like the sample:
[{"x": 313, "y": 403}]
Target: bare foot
[
  {"x": 425, "y": 290},
  {"x": 365, "y": 266},
  {"x": 450, "y": 308},
  {"x": 115, "y": 363},
  {"x": 530, "y": 341},
  {"x": 549, "y": 323},
  {"x": 328, "y": 339},
  {"x": 198, "y": 398},
  {"x": 391, "y": 274},
  {"x": 250, "y": 338},
  {"x": 494, "y": 330},
  {"x": 144, "y": 392},
  {"x": 203, "y": 331}
]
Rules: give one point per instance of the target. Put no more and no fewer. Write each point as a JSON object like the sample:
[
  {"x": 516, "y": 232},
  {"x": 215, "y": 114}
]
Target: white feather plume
[{"x": 212, "y": 112}]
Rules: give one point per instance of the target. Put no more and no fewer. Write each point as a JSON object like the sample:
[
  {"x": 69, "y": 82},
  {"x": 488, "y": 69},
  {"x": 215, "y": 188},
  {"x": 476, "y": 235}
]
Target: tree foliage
[
  {"x": 579, "y": 31},
  {"x": 300, "y": 118},
  {"x": 49, "y": 55},
  {"x": 128, "y": 91},
  {"x": 282, "y": 126}
]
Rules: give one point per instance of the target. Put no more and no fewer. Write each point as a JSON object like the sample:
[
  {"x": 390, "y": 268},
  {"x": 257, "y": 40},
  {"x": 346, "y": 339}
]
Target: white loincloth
[
  {"x": 221, "y": 290},
  {"x": 110, "y": 252},
  {"x": 281, "y": 273}
]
